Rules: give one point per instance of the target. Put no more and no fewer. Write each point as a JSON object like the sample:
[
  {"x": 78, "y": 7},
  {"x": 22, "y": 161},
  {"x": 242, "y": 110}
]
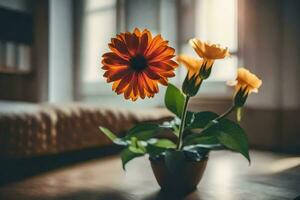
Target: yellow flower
[
  {"x": 247, "y": 81},
  {"x": 193, "y": 65},
  {"x": 193, "y": 80},
  {"x": 209, "y": 52}
]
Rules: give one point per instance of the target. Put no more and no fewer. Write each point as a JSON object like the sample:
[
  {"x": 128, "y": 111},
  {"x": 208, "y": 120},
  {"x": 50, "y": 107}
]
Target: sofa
[{"x": 30, "y": 130}]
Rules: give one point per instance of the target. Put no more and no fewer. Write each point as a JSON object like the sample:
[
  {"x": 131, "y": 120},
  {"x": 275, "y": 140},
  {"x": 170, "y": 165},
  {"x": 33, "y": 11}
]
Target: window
[
  {"x": 216, "y": 21},
  {"x": 99, "y": 24},
  {"x": 100, "y": 21},
  {"x": 177, "y": 21}
]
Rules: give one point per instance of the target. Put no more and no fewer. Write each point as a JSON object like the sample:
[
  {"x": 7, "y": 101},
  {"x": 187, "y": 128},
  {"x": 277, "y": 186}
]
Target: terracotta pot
[{"x": 183, "y": 180}]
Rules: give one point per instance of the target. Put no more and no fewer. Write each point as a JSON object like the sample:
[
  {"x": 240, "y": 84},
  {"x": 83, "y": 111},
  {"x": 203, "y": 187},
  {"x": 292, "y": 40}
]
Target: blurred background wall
[{"x": 68, "y": 37}]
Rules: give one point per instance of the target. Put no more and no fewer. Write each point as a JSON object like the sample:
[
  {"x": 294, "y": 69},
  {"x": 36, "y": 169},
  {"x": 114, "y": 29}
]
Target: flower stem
[
  {"x": 232, "y": 108},
  {"x": 225, "y": 114},
  {"x": 182, "y": 124}
]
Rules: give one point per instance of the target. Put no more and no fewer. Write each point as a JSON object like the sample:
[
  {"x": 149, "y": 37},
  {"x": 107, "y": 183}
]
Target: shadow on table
[
  {"x": 161, "y": 195},
  {"x": 119, "y": 195},
  {"x": 13, "y": 170},
  {"x": 92, "y": 195}
]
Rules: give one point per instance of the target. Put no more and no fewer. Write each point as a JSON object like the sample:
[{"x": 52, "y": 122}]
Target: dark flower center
[{"x": 138, "y": 63}]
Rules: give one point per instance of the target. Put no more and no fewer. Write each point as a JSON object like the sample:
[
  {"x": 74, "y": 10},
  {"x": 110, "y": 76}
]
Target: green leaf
[
  {"x": 137, "y": 146},
  {"x": 201, "y": 119},
  {"x": 189, "y": 118},
  {"x": 174, "y": 100},
  {"x": 154, "y": 151},
  {"x": 204, "y": 146},
  {"x": 197, "y": 138},
  {"x": 173, "y": 125},
  {"x": 108, "y": 133},
  {"x": 232, "y": 136},
  {"x": 156, "y": 147},
  {"x": 225, "y": 132},
  {"x": 162, "y": 143},
  {"x": 196, "y": 152},
  {"x": 113, "y": 137},
  {"x": 127, "y": 155},
  {"x": 143, "y": 131}
]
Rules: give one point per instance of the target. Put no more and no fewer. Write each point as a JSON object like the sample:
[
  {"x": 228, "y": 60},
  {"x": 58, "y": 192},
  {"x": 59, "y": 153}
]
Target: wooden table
[{"x": 227, "y": 177}]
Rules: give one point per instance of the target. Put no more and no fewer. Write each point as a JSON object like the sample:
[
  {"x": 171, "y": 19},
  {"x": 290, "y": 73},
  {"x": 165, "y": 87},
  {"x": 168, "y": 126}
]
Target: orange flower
[
  {"x": 192, "y": 81},
  {"x": 193, "y": 66},
  {"x": 137, "y": 63},
  {"x": 246, "y": 81},
  {"x": 209, "y": 52}
]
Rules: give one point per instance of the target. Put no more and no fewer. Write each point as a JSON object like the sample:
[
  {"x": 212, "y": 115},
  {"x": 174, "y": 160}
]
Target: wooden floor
[{"x": 227, "y": 177}]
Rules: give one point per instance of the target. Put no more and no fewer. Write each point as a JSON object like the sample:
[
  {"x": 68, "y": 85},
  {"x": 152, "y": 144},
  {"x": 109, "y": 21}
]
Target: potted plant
[{"x": 137, "y": 63}]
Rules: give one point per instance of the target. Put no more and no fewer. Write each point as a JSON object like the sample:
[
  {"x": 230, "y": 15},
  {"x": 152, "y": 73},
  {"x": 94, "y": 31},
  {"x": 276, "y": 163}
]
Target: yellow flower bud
[
  {"x": 192, "y": 81},
  {"x": 245, "y": 83}
]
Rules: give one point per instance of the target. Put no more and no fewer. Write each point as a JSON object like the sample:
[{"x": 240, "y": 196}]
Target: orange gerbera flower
[{"x": 137, "y": 63}]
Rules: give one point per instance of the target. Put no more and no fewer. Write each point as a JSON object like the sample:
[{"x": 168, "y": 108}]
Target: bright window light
[
  {"x": 216, "y": 21},
  {"x": 99, "y": 25}
]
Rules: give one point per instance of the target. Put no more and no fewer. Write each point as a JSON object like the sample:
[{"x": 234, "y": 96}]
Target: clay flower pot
[{"x": 183, "y": 179}]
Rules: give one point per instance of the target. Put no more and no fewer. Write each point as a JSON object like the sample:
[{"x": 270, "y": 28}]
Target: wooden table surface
[{"x": 227, "y": 177}]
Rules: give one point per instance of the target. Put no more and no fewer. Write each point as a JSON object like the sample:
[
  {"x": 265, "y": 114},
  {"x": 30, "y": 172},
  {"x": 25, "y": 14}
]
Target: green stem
[
  {"x": 182, "y": 124},
  {"x": 232, "y": 108},
  {"x": 225, "y": 114}
]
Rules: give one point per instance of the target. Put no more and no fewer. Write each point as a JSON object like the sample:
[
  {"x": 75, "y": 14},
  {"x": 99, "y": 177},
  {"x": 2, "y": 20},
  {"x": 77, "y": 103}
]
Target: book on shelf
[{"x": 15, "y": 57}]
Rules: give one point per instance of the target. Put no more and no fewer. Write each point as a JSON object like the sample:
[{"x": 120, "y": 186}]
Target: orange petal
[
  {"x": 149, "y": 89},
  {"x": 151, "y": 84},
  {"x": 120, "y": 46},
  {"x": 171, "y": 63},
  {"x": 167, "y": 74},
  {"x": 155, "y": 43},
  {"x": 163, "y": 81},
  {"x": 137, "y": 32},
  {"x": 132, "y": 42},
  {"x": 113, "y": 49},
  {"x": 149, "y": 35},
  {"x": 125, "y": 81},
  {"x": 165, "y": 53},
  {"x": 167, "y": 57},
  {"x": 114, "y": 62},
  {"x": 151, "y": 74},
  {"x": 134, "y": 83},
  {"x": 121, "y": 37},
  {"x": 115, "y": 84},
  {"x": 128, "y": 91},
  {"x": 143, "y": 44},
  {"x": 161, "y": 66},
  {"x": 113, "y": 67},
  {"x": 157, "y": 52},
  {"x": 141, "y": 86},
  {"x": 112, "y": 56},
  {"x": 113, "y": 75}
]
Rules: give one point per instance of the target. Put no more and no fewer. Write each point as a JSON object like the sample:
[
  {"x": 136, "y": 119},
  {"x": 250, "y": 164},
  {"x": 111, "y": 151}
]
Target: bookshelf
[
  {"x": 6, "y": 70},
  {"x": 16, "y": 38}
]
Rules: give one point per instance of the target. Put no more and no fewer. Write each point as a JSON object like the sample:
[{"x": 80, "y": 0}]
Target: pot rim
[{"x": 160, "y": 159}]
